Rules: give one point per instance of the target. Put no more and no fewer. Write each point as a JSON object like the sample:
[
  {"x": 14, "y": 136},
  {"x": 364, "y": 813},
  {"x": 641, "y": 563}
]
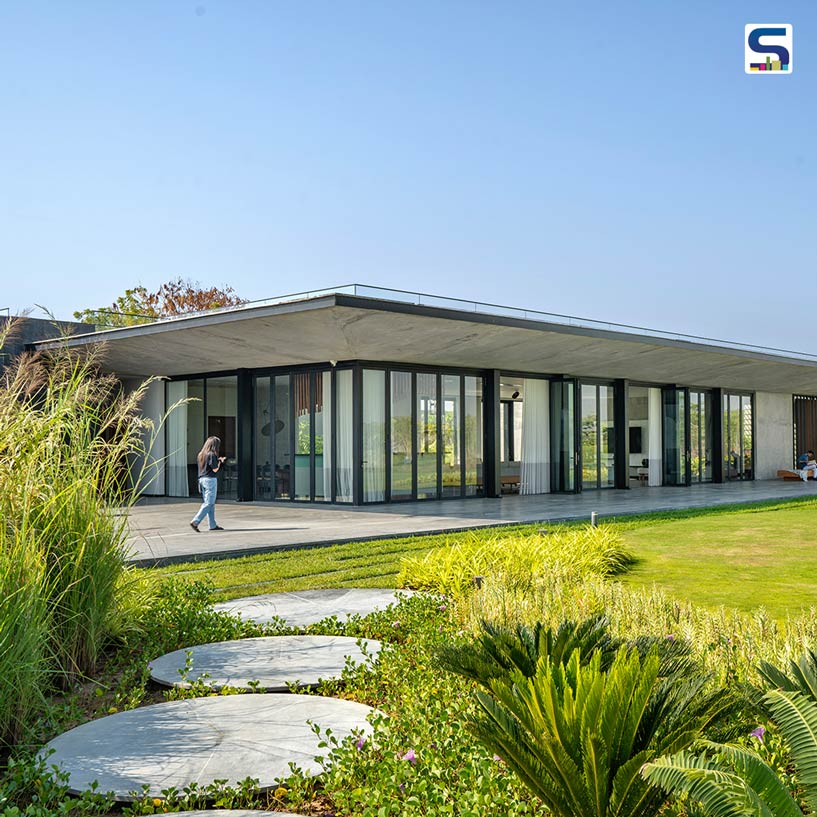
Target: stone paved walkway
[
  {"x": 304, "y": 607},
  {"x": 202, "y": 740},
  {"x": 273, "y": 663},
  {"x": 161, "y": 532}
]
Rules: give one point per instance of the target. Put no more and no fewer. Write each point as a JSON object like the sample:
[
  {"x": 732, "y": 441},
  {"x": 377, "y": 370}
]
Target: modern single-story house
[{"x": 362, "y": 395}]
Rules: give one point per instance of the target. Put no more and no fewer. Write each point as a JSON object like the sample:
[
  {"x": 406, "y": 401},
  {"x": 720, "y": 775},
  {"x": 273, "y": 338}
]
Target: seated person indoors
[{"x": 810, "y": 466}]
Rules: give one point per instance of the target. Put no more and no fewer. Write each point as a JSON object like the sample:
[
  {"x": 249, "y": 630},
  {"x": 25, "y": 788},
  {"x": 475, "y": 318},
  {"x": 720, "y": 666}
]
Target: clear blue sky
[{"x": 610, "y": 160}]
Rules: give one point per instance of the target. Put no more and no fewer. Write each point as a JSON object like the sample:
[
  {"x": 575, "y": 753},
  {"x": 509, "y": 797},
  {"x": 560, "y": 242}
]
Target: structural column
[
  {"x": 621, "y": 420},
  {"x": 717, "y": 435},
  {"x": 492, "y": 466},
  {"x": 244, "y": 441}
]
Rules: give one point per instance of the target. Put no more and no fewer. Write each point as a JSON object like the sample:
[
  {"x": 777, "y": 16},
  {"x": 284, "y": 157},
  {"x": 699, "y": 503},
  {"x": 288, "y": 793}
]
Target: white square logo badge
[{"x": 767, "y": 48}]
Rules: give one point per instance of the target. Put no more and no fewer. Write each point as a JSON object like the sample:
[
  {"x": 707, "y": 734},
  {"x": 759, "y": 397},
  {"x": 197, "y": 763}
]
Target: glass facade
[
  {"x": 371, "y": 434},
  {"x": 738, "y": 436}
]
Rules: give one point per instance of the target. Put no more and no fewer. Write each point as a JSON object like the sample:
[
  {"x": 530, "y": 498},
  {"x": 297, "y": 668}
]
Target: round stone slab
[
  {"x": 304, "y": 607},
  {"x": 273, "y": 662},
  {"x": 202, "y": 740},
  {"x": 220, "y": 812}
]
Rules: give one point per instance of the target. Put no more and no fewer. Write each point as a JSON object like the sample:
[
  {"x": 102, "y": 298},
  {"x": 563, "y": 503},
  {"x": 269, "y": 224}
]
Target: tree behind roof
[{"x": 177, "y": 297}]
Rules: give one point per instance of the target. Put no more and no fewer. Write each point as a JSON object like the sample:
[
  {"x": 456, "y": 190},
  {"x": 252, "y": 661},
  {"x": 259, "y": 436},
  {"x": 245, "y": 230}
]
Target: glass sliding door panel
[
  {"x": 607, "y": 438},
  {"x": 675, "y": 443},
  {"x": 590, "y": 436},
  {"x": 402, "y": 437},
  {"x": 738, "y": 450},
  {"x": 707, "y": 418},
  {"x": 563, "y": 435},
  {"x": 303, "y": 432},
  {"x": 427, "y": 401},
  {"x": 222, "y": 410},
  {"x": 474, "y": 468},
  {"x": 176, "y": 481},
  {"x": 323, "y": 436},
  {"x": 345, "y": 431},
  {"x": 452, "y": 436},
  {"x": 262, "y": 466},
  {"x": 195, "y": 433},
  {"x": 282, "y": 438},
  {"x": 374, "y": 435},
  {"x": 696, "y": 422}
]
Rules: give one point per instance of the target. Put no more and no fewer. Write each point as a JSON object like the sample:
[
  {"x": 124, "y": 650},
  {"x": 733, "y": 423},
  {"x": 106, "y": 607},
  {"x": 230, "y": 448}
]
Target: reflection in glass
[
  {"x": 263, "y": 438},
  {"x": 473, "y": 437},
  {"x": 402, "y": 438},
  {"x": 303, "y": 427},
  {"x": 452, "y": 426},
  {"x": 345, "y": 460},
  {"x": 590, "y": 436},
  {"x": 738, "y": 443},
  {"x": 563, "y": 435},
  {"x": 374, "y": 435},
  {"x": 426, "y": 436},
  {"x": 282, "y": 438}
]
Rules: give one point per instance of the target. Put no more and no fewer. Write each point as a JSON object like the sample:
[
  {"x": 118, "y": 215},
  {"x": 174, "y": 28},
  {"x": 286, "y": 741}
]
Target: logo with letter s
[{"x": 768, "y": 48}]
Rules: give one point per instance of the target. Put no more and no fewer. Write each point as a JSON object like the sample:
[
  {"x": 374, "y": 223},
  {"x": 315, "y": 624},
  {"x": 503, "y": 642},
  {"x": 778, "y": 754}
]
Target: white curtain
[
  {"x": 536, "y": 437},
  {"x": 344, "y": 447},
  {"x": 374, "y": 435},
  {"x": 654, "y": 452},
  {"x": 327, "y": 435},
  {"x": 177, "y": 484}
]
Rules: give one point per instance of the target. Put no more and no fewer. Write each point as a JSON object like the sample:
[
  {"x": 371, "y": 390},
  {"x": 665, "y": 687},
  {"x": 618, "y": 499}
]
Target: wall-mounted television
[{"x": 636, "y": 440}]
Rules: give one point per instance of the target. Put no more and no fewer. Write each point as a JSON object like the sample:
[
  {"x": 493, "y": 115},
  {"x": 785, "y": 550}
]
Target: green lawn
[
  {"x": 739, "y": 556},
  {"x": 745, "y": 560}
]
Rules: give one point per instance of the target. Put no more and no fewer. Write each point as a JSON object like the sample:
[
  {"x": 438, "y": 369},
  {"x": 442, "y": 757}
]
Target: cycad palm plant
[
  {"x": 731, "y": 781},
  {"x": 576, "y": 715}
]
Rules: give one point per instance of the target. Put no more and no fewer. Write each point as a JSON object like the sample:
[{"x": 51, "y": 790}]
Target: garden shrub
[{"x": 518, "y": 559}]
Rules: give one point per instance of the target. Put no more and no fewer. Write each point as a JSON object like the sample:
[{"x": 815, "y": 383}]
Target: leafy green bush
[
  {"x": 576, "y": 716},
  {"x": 518, "y": 560}
]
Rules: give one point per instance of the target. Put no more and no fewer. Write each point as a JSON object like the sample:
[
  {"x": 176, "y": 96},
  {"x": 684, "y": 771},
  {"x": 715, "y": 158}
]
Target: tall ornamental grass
[
  {"x": 67, "y": 434},
  {"x": 518, "y": 560},
  {"x": 730, "y": 643}
]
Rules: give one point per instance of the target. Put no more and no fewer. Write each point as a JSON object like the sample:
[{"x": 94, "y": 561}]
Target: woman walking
[{"x": 209, "y": 464}]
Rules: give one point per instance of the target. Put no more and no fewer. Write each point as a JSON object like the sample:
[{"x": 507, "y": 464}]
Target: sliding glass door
[
  {"x": 676, "y": 435},
  {"x": 738, "y": 437},
  {"x": 563, "y": 435},
  {"x": 598, "y": 436},
  {"x": 700, "y": 435}
]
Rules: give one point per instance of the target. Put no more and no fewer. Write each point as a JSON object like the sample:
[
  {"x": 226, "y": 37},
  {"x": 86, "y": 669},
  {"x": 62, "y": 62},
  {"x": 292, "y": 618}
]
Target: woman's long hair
[{"x": 211, "y": 445}]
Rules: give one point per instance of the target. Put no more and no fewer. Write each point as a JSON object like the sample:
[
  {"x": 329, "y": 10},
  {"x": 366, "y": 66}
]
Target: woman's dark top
[{"x": 210, "y": 465}]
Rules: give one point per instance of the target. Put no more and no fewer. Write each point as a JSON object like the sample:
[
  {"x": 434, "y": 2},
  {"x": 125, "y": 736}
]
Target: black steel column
[
  {"x": 621, "y": 423},
  {"x": 717, "y": 435},
  {"x": 491, "y": 407},
  {"x": 244, "y": 436}
]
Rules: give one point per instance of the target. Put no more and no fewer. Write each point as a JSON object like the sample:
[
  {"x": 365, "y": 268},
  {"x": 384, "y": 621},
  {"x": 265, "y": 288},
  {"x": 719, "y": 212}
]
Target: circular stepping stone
[
  {"x": 202, "y": 740},
  {"x": 273, "y": 662},
  {"x": 304, "y": 607},
  {"x": 220, "y": 812}
]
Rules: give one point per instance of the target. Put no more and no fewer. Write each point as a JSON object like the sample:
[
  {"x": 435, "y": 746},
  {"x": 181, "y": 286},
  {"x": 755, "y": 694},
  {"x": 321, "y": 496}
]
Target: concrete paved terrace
[{"x": 161, "y": 533}]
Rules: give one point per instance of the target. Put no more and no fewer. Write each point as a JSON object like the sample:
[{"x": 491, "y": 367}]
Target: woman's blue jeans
[{"x": 209, "y": 488}]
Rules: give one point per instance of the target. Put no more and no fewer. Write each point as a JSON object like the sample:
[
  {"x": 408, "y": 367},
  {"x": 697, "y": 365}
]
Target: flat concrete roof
[{"x": 342, "y": 327}]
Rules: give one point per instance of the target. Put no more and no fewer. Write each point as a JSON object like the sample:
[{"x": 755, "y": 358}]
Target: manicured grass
[
  {"x": 745, "y": 560},
  {"x": 741, "y": 556}
]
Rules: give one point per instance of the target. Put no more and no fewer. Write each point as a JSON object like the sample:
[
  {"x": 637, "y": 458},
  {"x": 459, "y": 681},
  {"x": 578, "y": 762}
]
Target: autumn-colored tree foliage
[{"x": 177, "y": 297}]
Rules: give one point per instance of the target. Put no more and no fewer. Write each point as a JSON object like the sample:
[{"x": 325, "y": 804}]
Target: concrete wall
[
  {"x": 27, "y": 330},
  {"x": 152, "y": 468},
  {"x": 774, "y": 430}
]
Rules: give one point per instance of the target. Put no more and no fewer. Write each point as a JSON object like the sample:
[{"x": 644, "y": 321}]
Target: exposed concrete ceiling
[{"x": 353, "y": 328}]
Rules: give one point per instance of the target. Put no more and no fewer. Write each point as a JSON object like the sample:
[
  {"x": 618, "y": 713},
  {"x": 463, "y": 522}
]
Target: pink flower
[
  {"x": 395, "y": 624},
  {"x": 410, "y": 757},
  {"x": 361, "y": 742},
  {"x": 758, "y": 733}
]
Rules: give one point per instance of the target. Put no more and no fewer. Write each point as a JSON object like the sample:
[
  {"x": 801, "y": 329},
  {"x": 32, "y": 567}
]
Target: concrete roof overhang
[{"x": 349, "y": 327}]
